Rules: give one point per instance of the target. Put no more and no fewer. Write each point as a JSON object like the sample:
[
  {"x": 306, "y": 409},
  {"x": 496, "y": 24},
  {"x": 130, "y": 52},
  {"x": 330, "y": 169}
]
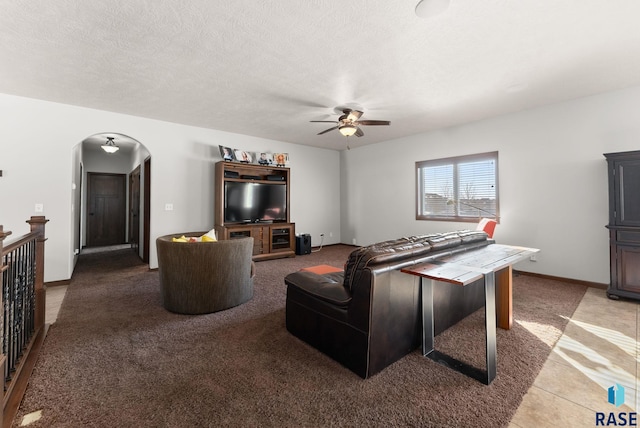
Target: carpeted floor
[{"x": 115, "y": 357}]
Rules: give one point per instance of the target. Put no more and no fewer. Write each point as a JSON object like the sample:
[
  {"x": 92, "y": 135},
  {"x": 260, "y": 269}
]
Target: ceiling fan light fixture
[
  {"x": 349, "y": 123},
  {"x": 110, "y": 147},
  {"x": 347, "y": 130},
  {"x": 431, "y": 8}
]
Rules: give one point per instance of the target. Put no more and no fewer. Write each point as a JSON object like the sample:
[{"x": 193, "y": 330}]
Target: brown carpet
[{"x": 116, "y": 358}]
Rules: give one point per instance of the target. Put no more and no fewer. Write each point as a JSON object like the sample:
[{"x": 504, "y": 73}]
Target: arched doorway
[{"x": 114, "y": 203}]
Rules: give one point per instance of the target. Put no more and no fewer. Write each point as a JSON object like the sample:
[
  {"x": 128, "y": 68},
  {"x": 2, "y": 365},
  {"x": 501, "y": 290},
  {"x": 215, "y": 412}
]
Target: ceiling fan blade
[
  {"x": 327, "y": 130},
  {"x": 359, "y": 133},
  {"x": 373, "y": 122},
  {"x": 353, "y": 115},
  {"x": 324, "y": 121}
]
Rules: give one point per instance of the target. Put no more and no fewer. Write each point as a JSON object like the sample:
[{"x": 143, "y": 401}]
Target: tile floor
[
  {"x": 54, "y": 298},
  {"x": 599, "y": 348}
]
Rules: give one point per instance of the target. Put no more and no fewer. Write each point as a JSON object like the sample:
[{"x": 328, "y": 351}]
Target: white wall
[
  {"x": 552, "y": 178},
  {"x": 76, "y": 202},
  {"x": 39, "y": 165}
]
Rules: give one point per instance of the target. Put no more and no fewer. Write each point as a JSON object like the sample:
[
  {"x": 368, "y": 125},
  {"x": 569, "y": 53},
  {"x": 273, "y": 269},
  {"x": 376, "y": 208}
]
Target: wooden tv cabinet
[{"x": 270, "y": 240}]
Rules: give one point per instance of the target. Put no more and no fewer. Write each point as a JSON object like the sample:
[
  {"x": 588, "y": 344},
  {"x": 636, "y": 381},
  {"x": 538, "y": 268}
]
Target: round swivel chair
[{"x": 204, "y": 277}]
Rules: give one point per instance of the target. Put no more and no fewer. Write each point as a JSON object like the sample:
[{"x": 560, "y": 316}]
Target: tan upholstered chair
[{"x": 204, "y": 277}]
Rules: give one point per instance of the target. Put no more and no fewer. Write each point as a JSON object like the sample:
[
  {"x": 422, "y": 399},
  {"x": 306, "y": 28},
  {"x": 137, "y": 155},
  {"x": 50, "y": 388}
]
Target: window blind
[{"x": 461, "y": 188}]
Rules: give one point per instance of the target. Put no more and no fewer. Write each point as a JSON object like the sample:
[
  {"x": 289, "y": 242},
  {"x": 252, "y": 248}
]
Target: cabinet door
[
  {"x": 627, "y": 193},
  {"x": 281, "y": 238},
  {"x": 246, "y": 232},
  {"x": 238, "y": 233},
  {"x": 628, "y": 268}
]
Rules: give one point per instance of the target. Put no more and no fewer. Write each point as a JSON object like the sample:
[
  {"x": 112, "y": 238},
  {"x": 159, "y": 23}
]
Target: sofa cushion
[
  {"x": 469, "y": 236},
  {"x": 327, "y": 287},
  {"x": 446, "y": 240}
]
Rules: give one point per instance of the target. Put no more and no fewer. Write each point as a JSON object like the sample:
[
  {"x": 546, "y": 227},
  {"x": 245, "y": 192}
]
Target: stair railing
[{"x": 22, "y": 306}]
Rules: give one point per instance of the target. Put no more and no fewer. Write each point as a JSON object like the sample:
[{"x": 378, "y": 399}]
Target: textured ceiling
[{"x": 267, "y": 68}]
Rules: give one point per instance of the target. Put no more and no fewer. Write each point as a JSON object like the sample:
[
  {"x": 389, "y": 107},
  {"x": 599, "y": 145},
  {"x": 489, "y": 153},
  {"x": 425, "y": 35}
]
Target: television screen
[{"x": 251, "y": 202}]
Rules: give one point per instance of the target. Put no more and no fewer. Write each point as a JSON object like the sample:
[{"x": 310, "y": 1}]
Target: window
[{"x": 463, "y": 188}]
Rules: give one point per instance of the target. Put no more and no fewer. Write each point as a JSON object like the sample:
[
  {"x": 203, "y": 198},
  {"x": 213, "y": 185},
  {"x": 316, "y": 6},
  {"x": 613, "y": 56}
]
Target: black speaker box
[
  {"x": 231, "y": 174},
  {"x": 275, "y": 177},
  {"x": 303, "y": 244},
  {"x": 251, "y": 177}
]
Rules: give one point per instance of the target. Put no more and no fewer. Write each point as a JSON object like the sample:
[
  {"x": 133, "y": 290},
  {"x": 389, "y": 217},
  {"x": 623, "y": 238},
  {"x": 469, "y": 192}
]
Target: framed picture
[
  {"x": 265, "y": 158},
  {"x": 244, "y": 156},
  {"x": 226, "y": 153},
  {"x": 281, "y": 159}
]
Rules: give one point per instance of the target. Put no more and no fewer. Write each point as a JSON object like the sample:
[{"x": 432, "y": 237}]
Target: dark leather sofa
[{"x": 368, "y": 316}]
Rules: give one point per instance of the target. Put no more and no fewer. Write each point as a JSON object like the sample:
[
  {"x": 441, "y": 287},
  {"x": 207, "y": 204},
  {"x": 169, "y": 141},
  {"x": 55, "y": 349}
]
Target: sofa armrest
[{"x": 327, "y": 288}]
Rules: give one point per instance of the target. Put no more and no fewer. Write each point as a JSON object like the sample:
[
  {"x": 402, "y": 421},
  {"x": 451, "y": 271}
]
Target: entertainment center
[{"x": 253, "y": 201}]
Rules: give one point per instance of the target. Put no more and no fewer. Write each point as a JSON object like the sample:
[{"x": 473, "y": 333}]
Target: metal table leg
[
  {"x": 490, "y": 324},
  {"x": 426, "y": 291},
  {"x": 428, "y": 346}
]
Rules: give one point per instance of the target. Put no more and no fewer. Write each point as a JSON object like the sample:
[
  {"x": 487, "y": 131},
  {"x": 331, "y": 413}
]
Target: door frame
[
  {"x": 134, "y": 209},
  {"x": 146, "y": 211}
]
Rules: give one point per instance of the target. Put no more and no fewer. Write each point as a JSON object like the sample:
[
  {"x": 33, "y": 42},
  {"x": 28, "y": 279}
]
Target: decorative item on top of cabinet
[{"x": 624, "y": 224}]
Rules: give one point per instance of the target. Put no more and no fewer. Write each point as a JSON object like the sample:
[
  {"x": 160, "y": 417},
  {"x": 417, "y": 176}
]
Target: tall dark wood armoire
[{"x": 624, "y": 224}]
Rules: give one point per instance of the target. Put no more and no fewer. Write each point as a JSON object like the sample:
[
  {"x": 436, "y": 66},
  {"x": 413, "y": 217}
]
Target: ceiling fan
[{"x": 348, "y": 123}]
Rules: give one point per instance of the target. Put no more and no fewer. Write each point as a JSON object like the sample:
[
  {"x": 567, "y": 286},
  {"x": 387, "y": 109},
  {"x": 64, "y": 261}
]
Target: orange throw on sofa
[{"x": 321, "y": 269}]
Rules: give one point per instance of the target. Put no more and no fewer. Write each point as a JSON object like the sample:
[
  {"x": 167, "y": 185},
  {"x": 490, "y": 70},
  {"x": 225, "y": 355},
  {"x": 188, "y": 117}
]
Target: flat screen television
[{"x": 246, "y": 202}]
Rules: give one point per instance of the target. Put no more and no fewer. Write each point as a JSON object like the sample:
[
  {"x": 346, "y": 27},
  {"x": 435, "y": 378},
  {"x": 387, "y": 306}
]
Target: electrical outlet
[
  {"x": 330, "y": 234},
  {"x": 39, "y": 208},
  {"x": 168, "y": 207},
  {"x": 533, "y": 257}
]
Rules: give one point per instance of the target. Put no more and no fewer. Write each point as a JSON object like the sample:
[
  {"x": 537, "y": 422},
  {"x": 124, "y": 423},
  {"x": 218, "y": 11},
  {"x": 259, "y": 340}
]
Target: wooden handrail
[{"x": 20, "y": 242}]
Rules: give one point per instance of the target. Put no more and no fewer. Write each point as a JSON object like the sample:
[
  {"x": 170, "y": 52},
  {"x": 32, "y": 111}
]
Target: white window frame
[{"x": 449, "y": 201}]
